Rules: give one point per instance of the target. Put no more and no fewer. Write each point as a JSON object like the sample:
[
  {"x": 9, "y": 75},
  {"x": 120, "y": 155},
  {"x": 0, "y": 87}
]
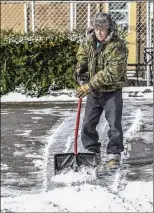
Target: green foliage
[{"x": 38, "y": 62}]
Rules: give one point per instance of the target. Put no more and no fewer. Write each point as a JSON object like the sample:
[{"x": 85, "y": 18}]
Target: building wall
[
  {"x": 12, "y": 17},
  {"x": 131, "y": 38},
  {"x": 52, "y": 16}
]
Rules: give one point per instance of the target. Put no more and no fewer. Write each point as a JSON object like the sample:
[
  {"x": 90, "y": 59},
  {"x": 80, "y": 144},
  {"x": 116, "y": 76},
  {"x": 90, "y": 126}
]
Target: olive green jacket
[{"x": 109, "y": 73}]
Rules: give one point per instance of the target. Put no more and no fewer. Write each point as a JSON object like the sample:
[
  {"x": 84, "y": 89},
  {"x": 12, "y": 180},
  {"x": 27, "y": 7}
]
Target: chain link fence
[{"x": 135, "y": 17}]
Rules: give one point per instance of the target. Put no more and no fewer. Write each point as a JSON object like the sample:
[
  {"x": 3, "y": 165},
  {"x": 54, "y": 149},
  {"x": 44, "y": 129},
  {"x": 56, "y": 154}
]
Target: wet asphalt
[{"x": 25, "y": 128}]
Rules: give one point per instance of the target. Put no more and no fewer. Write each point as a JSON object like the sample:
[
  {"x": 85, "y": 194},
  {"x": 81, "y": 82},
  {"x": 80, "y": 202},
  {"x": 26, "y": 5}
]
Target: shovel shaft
[{"x": 77, "y": 125}]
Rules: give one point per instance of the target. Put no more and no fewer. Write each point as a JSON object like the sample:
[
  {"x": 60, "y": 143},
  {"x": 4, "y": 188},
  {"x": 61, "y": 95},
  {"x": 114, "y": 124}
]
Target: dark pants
[{"x": 112, "y": 104}]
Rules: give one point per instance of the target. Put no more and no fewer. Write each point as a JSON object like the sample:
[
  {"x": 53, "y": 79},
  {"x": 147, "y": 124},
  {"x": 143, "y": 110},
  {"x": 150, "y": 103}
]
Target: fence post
[
  {"x": 25, "y": 18},
  {"x": 71, "y": 16},
  {"x": 88, "y": 18},
  {"x": 74, "y": 15},
  {"x": 33, "y": 15},
  {"x": 148, "y": 40}
]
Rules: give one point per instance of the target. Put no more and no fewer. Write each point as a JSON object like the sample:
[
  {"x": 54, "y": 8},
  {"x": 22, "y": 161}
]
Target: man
[{"x": 104, "y": 57}]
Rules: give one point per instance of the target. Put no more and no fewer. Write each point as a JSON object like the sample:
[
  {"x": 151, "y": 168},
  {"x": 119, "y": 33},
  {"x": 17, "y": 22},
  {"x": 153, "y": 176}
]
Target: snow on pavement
[
  {"x": 137, "y": 196},
  {"x": 135, "y": 126},
  {"x": 69, "y": 95}
]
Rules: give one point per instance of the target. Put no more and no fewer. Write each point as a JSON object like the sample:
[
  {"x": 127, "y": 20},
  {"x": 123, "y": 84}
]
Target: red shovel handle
[{"x": 77, "y": 125}]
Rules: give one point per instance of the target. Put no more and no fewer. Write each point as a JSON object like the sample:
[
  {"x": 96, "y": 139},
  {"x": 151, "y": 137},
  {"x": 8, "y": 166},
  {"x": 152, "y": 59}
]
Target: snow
[
  {"x": 70, "y": 177},
  {"x": 33, "y": 156},
  {"x": 68, "y": 144},
  {"x": 23, "y": 132},
  {"x": 39, "y": 112},
  {"x": 4, "y": 166},
  {"x": 137, "y": 196},
  {"x": 77, "y": 194},
  {"x": 135, "y": 126},
  {"x": 17, "y": 97},
  {"x": 38, "y": 163},
  {"x": 36, "y": 118},
  {"x": 69, "y": 95},
  {"x": 52, "y": 136},
  {"x": 137, "y": 89}
]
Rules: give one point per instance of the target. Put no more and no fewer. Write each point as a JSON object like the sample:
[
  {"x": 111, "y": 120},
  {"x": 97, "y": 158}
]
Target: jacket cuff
[{"x": 91, "y": 88}]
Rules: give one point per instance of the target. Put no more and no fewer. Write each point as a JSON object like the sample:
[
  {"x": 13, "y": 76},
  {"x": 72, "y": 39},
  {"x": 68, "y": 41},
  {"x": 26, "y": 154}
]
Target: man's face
[{"x": 101, "y": 33}]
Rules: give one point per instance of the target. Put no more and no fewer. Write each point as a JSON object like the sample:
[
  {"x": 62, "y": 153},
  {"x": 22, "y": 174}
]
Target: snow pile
[
  {"x": 70, "y": 177},
  {"x": 137, "y": 197},
  {"x": 62, "y": 95},
  {"x": 69, "y": 95}
]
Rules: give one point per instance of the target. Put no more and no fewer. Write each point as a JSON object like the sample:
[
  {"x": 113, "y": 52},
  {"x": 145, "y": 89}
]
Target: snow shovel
[{"x": 74, "y": 160}]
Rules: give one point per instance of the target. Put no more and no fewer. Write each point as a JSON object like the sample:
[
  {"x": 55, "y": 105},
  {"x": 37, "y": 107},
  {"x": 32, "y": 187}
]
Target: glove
[
  {"x": 81, "y": 78},
  {"x": 83, "y": 90}
]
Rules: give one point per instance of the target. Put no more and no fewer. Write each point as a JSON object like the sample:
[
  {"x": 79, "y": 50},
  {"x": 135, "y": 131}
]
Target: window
[{"x": 119, "y": 13}]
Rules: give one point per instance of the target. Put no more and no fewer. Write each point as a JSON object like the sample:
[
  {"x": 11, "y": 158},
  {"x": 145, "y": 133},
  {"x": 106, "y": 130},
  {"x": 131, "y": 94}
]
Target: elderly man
[{"x": 103, "y": 56}]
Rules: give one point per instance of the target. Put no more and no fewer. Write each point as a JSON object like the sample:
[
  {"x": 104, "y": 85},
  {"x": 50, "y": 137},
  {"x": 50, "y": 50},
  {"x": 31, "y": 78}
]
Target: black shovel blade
[{"x": 62, "y": 161}]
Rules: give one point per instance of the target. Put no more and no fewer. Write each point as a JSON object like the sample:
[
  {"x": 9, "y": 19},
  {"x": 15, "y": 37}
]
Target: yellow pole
[{"x": 131, "y": 38}]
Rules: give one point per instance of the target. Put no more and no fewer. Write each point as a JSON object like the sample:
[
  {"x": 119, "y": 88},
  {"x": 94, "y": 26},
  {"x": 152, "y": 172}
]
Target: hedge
[{"x": 38, "y": 63}]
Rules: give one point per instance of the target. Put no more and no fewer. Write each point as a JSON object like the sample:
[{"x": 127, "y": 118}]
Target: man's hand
[{"x": 83, "y": 90}]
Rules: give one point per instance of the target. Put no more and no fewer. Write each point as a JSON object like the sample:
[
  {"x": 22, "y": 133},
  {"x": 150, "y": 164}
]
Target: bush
[{"x": 38, "y": 62}]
